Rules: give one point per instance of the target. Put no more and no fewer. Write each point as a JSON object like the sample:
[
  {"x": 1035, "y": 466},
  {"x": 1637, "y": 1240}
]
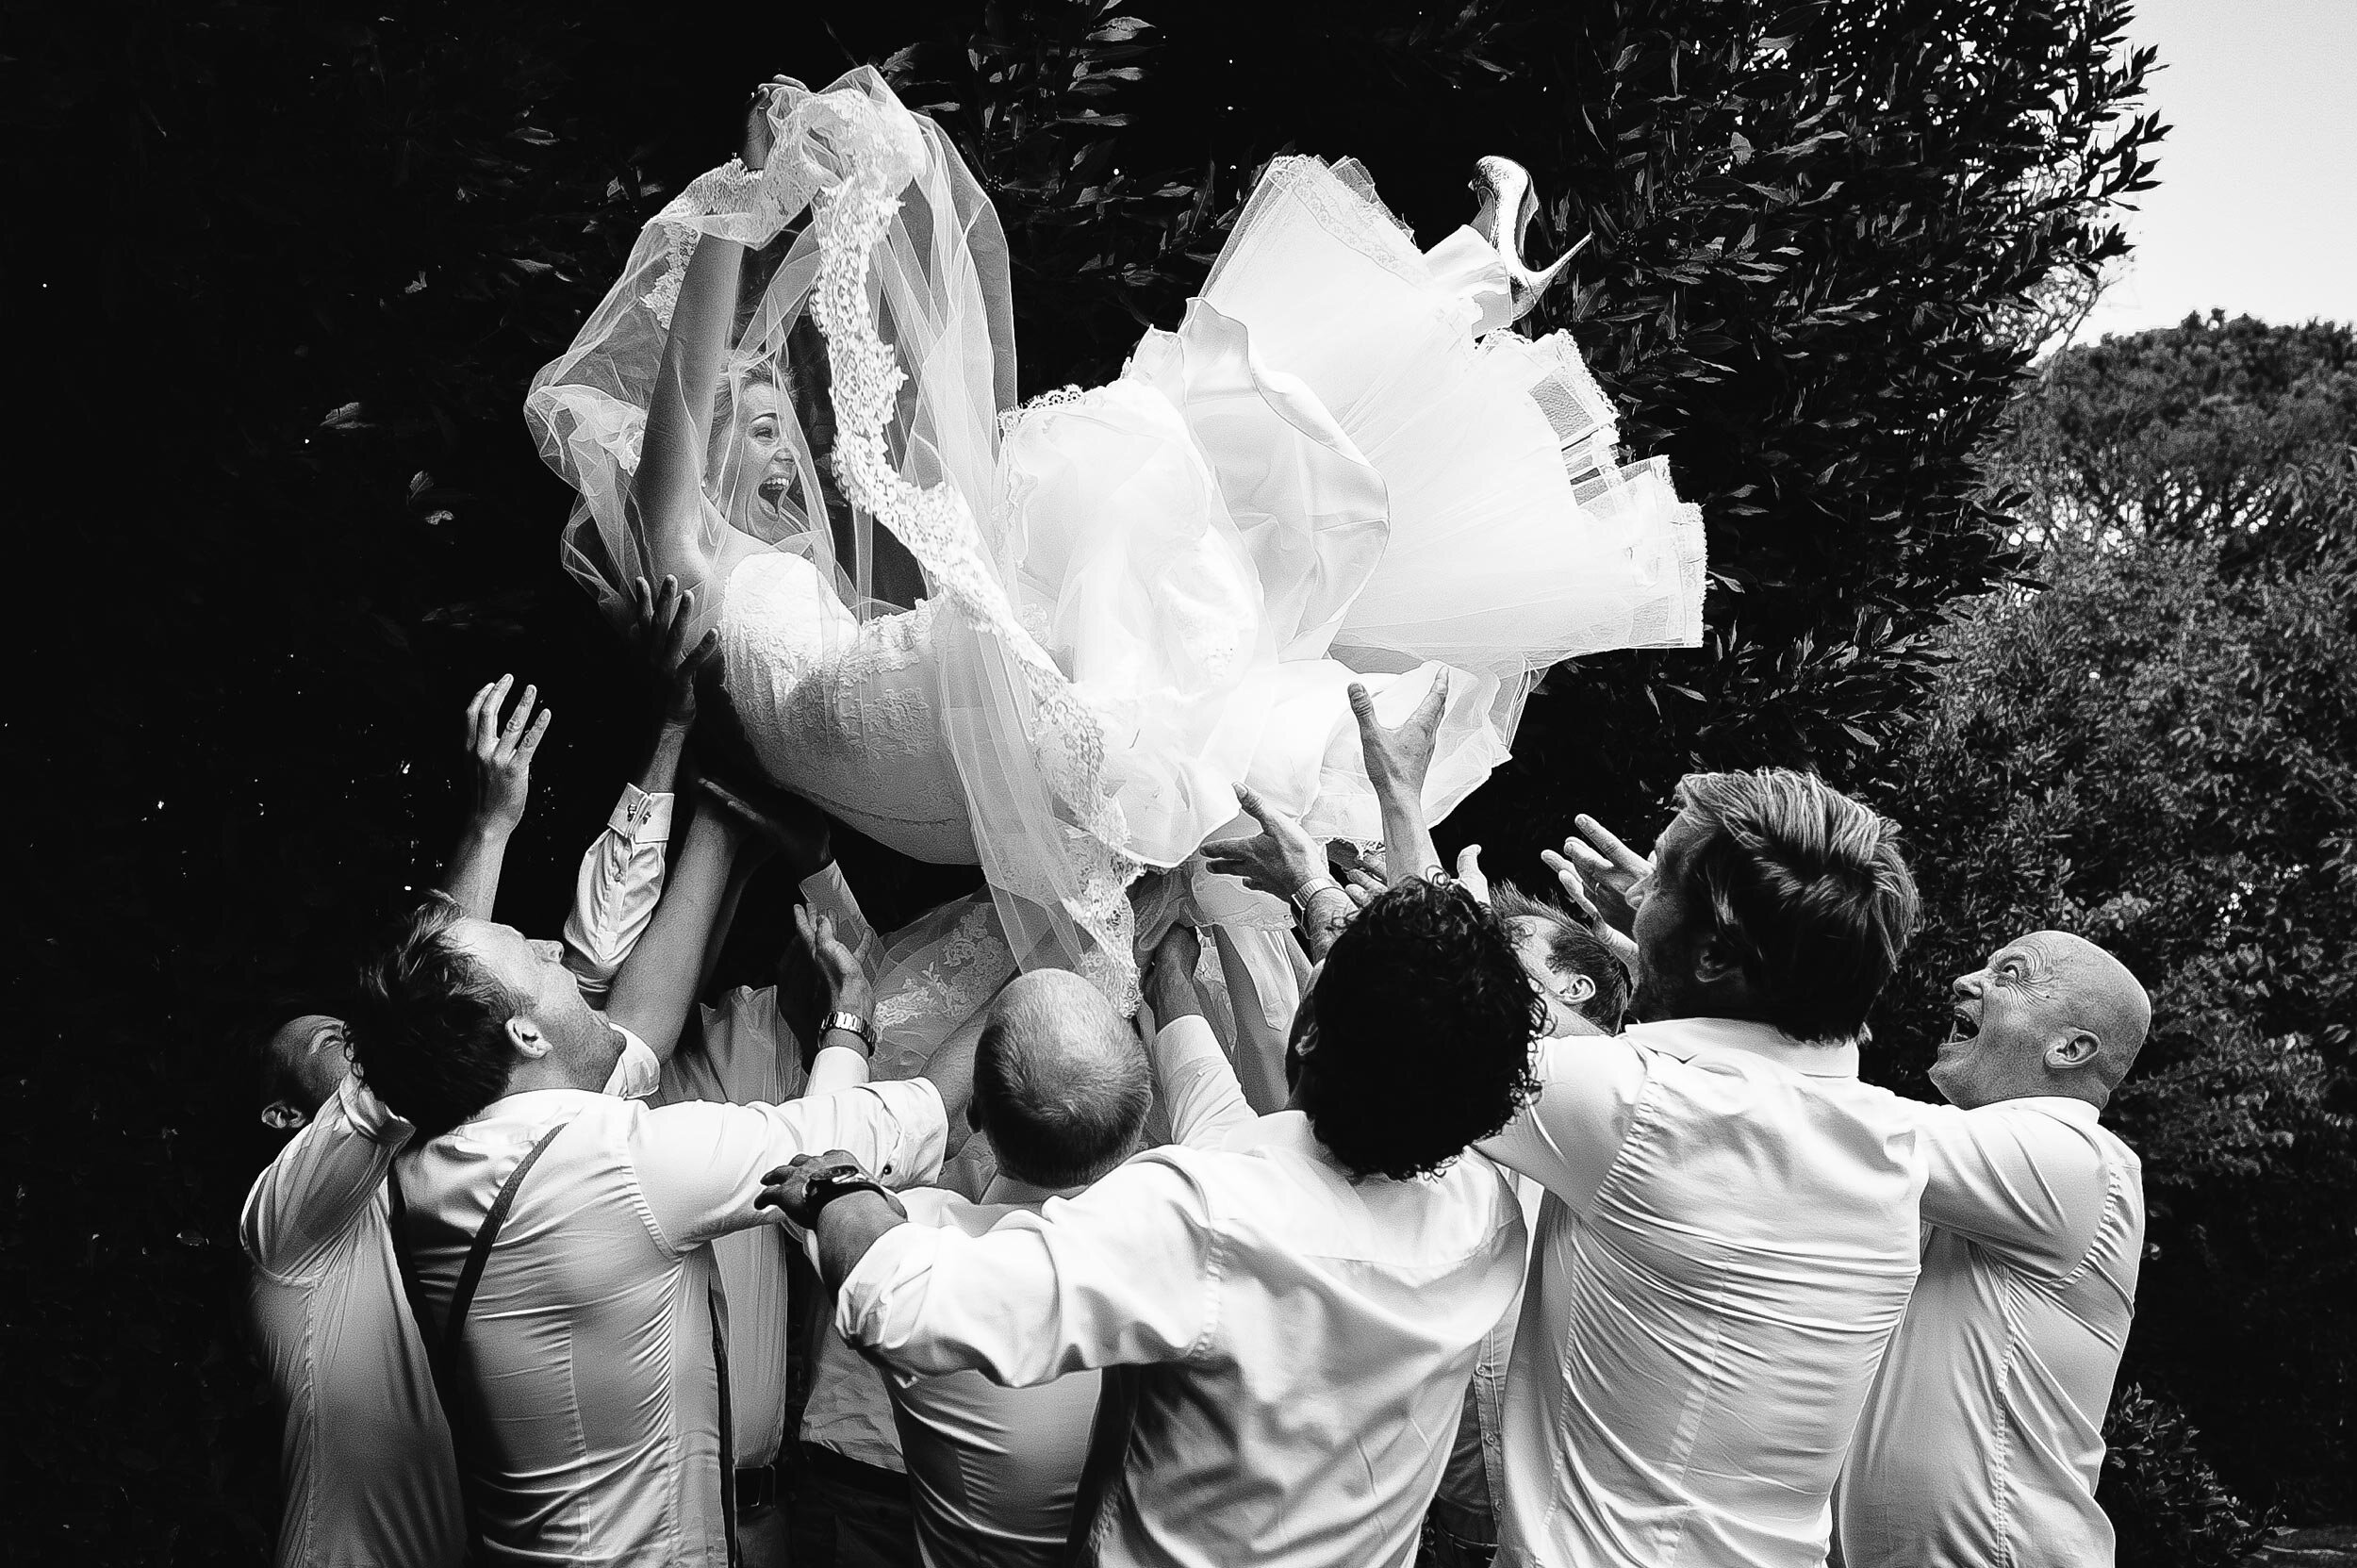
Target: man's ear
[
  {"x": 2075, "y": 1049},
  {"x": 1715, "y": 962},
  {"x": 1579, "y": 988},
  {"x": 281, "y": 1116},
  {"x": 525, "y": 1035}
]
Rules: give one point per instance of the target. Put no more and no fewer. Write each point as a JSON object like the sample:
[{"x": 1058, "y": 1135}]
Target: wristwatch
[
  {"x": 827, "y": 1186},
  {"x": 850, "y": 1023},
  {"x": 1310, "y": 890}
]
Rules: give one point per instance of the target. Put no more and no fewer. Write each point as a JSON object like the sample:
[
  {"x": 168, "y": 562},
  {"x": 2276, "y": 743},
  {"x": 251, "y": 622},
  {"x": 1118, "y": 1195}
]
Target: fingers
[
  {"x": 1427, "y": 714},
  {"x": 474, "y": 711},
  {"x": 1618, "y": 854},
  {"x": 530, "y": 742},
  {"x": 1362, "y": 709},
  {"x": 706, "y": 647},
  {"x": 1361, "y": 886},
  {"x": 1249, "y": 799},
  {"x": 1574, "y": 887},
  {"x": 1590, "y": 862},
  {"x": 675, "y": 629},
  {"x": 641, "y": 607},
  {"x": 487, "y": 716},
  {"x": 514, "y": 730}
]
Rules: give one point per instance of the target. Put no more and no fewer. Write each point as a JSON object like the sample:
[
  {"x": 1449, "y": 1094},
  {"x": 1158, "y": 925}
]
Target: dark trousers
[{"x": 849, "y": 1516}]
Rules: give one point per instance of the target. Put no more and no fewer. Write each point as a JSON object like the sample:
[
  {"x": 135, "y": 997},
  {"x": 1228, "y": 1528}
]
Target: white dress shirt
[
  {"x": 1727, "y": 1242},
  {"x": 1984, "y": 1435},
  {"x": 1287, "y": 1349},
  {"x": 615, "y": 893},
  {"x": 748, "y": 1056},
  {"x": 364, "y": 1454},
  {"x": 993, "y": 1471},
  {"x": 593, "y": 1330},
  {"x": 365, "y": 1460}
]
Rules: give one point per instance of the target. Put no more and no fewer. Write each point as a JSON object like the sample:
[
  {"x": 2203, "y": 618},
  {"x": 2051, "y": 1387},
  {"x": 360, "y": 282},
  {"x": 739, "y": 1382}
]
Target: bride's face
[{"x": 758, "y": 471}]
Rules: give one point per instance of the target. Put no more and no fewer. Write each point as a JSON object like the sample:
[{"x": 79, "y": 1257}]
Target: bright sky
[{"x": 2256, "y": 212}]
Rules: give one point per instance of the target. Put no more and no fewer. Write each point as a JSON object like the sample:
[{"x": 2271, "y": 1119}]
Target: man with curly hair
[{"x": 1287, "y": 1323}]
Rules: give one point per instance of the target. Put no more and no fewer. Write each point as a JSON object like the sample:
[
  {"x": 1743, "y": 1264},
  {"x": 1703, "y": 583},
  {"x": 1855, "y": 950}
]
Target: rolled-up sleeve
[
  {"x": 615, "y": 895},
  {"x": 701, "y": 1163},
  {"x": 1122, "y": 1275}
]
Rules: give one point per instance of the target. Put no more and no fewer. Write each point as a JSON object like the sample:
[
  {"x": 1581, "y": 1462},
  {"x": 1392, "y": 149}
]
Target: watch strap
[{"x": 850, "y": 1023}]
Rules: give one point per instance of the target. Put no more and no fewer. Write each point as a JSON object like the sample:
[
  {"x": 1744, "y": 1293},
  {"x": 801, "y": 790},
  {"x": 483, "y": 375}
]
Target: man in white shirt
[
  {"x": 590, "y": 1362},
  {"x": 1984, "y": 1435},
  {"x": 1063, "y": 1089},
  {"x": 1287, "y": 1323},
  {"x": 1729, "y": 1233},
  {"x": 367, "y": 1474}
]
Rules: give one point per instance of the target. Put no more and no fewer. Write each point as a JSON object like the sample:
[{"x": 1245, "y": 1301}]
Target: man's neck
[{"x": 544, "y": 1072}]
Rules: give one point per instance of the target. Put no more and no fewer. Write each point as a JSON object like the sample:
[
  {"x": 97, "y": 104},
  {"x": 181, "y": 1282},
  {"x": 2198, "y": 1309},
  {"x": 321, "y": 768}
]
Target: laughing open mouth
[{"x": 1963, "y": 1025}]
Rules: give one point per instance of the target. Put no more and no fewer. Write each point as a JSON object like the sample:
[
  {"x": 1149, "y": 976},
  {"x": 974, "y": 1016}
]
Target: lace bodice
[{"x": 842, "y": 711}]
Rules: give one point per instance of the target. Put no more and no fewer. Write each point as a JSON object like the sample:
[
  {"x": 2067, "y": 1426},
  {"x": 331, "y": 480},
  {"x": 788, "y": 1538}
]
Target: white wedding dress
[{"x": 1343, "y": 466}]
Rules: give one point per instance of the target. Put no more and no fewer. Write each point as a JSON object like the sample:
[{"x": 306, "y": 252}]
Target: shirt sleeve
[
  {"x": 320, "y": 1183},
  {"x": 639, "y": 1073},
  {"x": 1567, "y": 1138},
  {"x": 2021, "y": 1182},
  {"x": 615, "y": 895},
  {"x": 701, "y": 1163},
  {"x": 1121, "y": 1276},
  {"x": 1198, "y": 1087}
]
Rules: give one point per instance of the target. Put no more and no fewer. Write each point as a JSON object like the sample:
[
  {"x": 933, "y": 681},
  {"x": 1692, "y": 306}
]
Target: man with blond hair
[{"x": 1730, "y": 1233}]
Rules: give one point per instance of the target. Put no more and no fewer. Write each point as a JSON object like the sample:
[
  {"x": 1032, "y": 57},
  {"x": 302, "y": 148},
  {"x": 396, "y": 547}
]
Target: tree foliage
[
  {"x": 287, "y": 268},
  {"x": 2159, "y": 751},
  {"x": 2233, "y": 431}
]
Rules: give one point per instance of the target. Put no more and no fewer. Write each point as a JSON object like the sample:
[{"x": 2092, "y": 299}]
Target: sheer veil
[{"x": 875, "y": 309}]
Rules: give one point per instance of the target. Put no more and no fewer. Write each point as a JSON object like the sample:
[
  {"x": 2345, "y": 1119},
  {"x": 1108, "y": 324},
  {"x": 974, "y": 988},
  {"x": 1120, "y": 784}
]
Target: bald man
[
  {"x": 1982, "y": 1438},
  {"x": 1062, "y": 1086}
]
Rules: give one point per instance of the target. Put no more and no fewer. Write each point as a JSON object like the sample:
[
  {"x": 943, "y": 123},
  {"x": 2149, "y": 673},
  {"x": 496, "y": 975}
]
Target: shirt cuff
[
  {"x": 638, "y": 1074},
  {"x": 865, "y": 1305},
  {"x": 368, "y": 1115},
  {"x": 916, "y": 1106},
  {"x": 640, "y": 817}
]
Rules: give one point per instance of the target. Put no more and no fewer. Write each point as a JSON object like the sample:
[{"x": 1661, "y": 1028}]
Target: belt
[{"x": 756, "y": 1488}]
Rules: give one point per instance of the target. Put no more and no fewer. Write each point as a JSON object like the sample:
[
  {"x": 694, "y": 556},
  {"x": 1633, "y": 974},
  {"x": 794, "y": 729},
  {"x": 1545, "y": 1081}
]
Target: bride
[{"x": 1086, "y": 619}]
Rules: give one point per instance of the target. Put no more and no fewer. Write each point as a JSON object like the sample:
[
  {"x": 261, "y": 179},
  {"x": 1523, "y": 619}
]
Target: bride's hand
[{"x": 760, "y": 134}]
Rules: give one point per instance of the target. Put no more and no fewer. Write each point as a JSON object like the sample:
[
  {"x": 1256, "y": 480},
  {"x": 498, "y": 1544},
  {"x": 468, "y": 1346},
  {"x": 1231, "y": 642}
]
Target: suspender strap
[
  {"x": 713, "y": 1299},
  {"x": 459, "y": 1409},
  {"x": 471, "y": 1275}
]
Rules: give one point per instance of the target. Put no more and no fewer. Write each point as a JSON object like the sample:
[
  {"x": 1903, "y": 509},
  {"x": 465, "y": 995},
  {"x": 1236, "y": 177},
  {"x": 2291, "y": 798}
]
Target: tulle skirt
[{"x": 1330, "y": 472}]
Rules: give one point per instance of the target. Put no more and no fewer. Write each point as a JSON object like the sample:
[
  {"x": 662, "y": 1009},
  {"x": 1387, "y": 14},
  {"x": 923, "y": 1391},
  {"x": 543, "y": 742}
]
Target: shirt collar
[
  {"x": 1686, "y": 1038},
  {"x": 2067, "y": 1108},
  {"x": 1288, "y": 1130},
  {"x": 1014, "y": 1190}
]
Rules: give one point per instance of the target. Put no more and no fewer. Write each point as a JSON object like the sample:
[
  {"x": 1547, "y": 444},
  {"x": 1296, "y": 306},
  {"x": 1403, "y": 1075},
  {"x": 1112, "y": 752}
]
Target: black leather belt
[{"x": 756, "y": 1488}]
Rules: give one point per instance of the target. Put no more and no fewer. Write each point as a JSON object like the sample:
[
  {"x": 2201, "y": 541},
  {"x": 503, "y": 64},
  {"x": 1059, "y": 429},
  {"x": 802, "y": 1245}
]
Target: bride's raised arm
[{"x": 667, "y": 495}]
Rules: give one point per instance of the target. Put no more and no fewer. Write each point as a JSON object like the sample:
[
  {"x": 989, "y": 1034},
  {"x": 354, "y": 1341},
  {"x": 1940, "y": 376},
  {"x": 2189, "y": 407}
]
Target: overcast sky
[{"x": 2257, "y": 206}]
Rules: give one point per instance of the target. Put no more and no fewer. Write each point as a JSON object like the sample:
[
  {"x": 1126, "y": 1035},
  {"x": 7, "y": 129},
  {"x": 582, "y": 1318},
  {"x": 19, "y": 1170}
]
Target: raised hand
[
  {"x": 1470, "y": 876},
  {"x": 660, "y": 623},
  {"x": 1280, "y": 859},
  {"x": 1576, "y": 888},
  {"x": 848, "y": 988},
  {"x": 1168, "y": 977},
  {"x": 501, "y": 753},
  {"x": 760, "y": 133},
  {"x": 1398, "y": 757},
  {"x": 1608, "y": 869}
]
